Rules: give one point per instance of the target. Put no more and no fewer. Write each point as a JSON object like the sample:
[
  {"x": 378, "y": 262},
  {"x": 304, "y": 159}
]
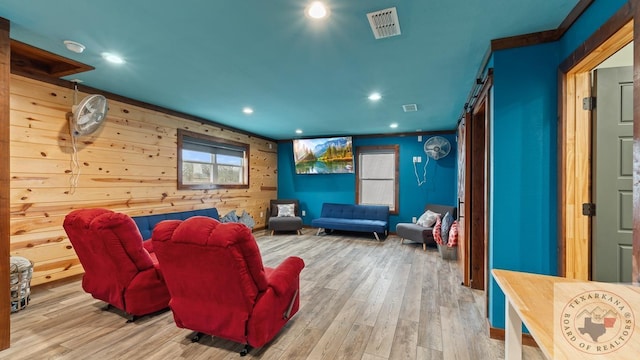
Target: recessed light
[
  {"x": 247, "y": 110},
  {"x": 317, "y": 10},
  {"x": 394, "y": 125},
  {"x": 298, "y": 131},
  {"x": 112, "y": 58},
  {"x": 76, "y": 47},
  {"x": 375, "y": 96}
]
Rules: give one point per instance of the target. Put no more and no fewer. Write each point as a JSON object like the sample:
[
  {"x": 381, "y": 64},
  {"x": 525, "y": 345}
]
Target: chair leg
[
  {"x": 245, "y": 350},
  {"x": 376, "y": 235},
  {"x": 424, "y": 247},
  {"x": 299, "y": 232},
  {"x": 272, "y": 232},
  {"x": 318, "y": 233},
  {"x": 197, "y": 337}
]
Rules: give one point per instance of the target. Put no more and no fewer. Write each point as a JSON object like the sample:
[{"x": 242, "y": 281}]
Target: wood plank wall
[{"x": 129, "y": 165}]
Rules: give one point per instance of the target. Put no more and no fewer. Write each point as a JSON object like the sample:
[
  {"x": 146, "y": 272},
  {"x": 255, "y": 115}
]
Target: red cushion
[
  {"x": 453, "y": 235},
  {"x": 437, "y": 231}
]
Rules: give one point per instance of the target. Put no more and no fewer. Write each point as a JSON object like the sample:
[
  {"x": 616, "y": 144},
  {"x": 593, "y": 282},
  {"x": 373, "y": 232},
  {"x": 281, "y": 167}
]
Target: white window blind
[{"x": 377, "y": 177}]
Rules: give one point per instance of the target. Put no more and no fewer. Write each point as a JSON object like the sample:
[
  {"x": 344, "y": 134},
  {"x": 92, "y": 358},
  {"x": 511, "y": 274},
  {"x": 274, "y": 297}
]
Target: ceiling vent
[
  {"x": 384, "y": 23},
  {"x": 410, "y": 107}
]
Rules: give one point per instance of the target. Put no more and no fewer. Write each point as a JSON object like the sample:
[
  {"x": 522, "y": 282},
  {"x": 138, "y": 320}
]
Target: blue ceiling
[{"x": 213, "y": 58}]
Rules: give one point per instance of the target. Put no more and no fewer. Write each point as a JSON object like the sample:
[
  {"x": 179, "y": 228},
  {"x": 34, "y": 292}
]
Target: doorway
[{"x": 582, "y": 142}]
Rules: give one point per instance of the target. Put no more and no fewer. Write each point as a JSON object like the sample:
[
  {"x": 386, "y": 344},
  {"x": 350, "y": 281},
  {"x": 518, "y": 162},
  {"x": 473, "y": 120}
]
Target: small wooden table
[{"x": 530, "y": 299}]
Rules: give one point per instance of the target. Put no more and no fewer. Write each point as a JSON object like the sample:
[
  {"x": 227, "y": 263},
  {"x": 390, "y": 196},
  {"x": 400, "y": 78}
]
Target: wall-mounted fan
[
  {"x": 436, "y": 147},
  {"x": 88, "y": 115},
  {"x": 85, "y": 119}
]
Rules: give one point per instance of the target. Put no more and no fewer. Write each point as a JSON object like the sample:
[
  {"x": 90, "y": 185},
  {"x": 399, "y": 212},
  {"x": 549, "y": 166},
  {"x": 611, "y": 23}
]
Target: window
[
  {"x": 207, "y": 162},
  {"x": 377, "y": 176}
]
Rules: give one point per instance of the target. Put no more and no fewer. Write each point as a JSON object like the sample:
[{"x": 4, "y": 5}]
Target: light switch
[{"x": 304, "y": 213}]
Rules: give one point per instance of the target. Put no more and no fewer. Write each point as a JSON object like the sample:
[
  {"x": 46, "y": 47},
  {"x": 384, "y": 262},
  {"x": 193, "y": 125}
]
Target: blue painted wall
[
  {"x": 598, "y": 13},
  {"x": 313, "y": 190},
  {"x": 523, "y": 143},
  {"x": 523, "y": 200}
]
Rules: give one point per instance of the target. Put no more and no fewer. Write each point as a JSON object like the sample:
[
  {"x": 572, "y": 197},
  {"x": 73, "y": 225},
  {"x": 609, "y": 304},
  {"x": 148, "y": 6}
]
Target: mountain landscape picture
[{"x": 324, "y": 155}]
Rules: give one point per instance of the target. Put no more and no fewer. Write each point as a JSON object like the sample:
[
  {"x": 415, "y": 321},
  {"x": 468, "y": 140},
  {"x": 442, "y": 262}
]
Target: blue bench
[
  {"x": 146, "y": 223},
  {"x": 349, "y": 217}
]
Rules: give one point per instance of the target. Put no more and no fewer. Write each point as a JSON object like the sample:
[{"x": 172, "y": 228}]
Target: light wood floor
[{"x": 360, "y": 299}]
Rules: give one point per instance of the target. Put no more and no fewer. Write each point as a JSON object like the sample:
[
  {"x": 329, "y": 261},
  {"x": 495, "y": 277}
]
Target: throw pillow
[
  {"x": 447, "y": 220},
  {"x": 229, "y": 217},
  {"x": 428, "y": 218},
  {"x": 286, "y": 210},
  {"x": 437, "y": 235},
  {"x": 453, "y": 235},
  {"x": 246, "y": 219}
]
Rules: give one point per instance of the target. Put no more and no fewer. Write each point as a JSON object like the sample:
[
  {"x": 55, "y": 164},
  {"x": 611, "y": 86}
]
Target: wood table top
[{"x": 545, "y": 302}]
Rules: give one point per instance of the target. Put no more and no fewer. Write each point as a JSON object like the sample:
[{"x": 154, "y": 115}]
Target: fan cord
[
  {"x": 424, "y": 174},
  {"x": 75, "y": 165}
]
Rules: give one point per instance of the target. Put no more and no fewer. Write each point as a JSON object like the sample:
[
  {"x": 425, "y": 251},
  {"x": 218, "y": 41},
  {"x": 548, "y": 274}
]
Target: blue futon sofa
[
  {"x": 146, "y": 223},
  {"x": 348, "y": 217}
]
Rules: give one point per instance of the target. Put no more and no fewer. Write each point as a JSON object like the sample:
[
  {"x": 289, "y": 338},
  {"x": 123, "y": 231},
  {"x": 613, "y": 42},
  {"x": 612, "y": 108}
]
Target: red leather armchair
[
  {"x": 218, "y": 284},
  {"x": 119, "y": 269}
]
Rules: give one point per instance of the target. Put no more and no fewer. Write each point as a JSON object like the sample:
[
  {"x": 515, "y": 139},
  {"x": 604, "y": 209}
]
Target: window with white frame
[
  {"x": 207, "y": 162},
  {"x": 377, "y": 176}
]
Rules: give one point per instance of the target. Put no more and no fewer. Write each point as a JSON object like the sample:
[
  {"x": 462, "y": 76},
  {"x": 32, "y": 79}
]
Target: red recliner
[
  {"x": 218, "y": 284},
  {"x": 119, "y": 269}
]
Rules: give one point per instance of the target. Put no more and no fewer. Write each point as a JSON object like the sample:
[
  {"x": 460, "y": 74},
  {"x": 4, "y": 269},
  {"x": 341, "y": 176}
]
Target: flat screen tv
[{"x": 323, "y": 155}]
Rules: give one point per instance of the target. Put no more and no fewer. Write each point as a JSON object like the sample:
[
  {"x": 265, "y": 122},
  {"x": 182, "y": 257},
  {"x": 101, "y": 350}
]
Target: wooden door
[
  {"x": 612, "y": 172},
  {"x": 477, "y": 199},
  {"x": 463, "y": 196}
]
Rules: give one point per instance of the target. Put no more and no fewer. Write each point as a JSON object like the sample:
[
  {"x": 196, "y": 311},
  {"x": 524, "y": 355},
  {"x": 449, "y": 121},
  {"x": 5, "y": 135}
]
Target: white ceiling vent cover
[
  {"x": 410, "y": 107},
  {"x": 384, "y": 23}
]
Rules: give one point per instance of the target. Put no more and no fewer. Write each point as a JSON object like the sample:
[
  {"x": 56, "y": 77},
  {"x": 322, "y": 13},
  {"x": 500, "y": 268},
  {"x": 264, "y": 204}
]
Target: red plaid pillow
[
  {"x": 453, "y": 235},
  {"x": 437, "y": 230}
]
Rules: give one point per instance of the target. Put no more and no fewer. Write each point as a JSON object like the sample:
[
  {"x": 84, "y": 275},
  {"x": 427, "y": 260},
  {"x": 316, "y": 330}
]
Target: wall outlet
[
  {"x": 414, "y": 220},
  {"x": 419, "y": 138},
  {"x": 304, "y": 213},
  {"x": 261, "y": 213},
  {"x": 417, "y": 159}
]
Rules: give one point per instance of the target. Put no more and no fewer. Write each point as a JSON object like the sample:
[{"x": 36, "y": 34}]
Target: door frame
[
  {"x": 574, "y": 142},
  {"x": 476, "y": 209},
  {"x": 464, "y": 196}
]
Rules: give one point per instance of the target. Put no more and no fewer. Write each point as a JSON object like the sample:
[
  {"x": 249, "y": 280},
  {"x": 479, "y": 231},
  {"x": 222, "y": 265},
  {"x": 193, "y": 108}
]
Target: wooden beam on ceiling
[{"x": 26, "y": 59}]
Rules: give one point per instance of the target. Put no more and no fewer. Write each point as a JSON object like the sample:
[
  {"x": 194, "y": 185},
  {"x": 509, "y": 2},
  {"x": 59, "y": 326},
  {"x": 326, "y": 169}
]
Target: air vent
[
  {"x": 384, "y": 23},
  {"x": 410, "y": 107}
]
